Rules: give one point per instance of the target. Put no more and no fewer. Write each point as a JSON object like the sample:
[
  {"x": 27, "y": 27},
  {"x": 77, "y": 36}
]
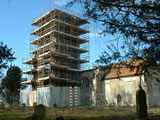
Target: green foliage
[
  {"x": 11, "y": 84},
  {"x": 135, "y": 22},
  {"x": 6, "y": 55}
]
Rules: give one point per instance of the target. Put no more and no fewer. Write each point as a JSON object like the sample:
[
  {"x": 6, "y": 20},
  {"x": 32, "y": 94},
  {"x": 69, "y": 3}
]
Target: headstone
[
  {"x": 34, "y": 104},
  {"x": 6, "y": 105},
  {"x": 60, "y": 118},
  {"x": 39, "y": 112},
  {"x": 55, "y": 105},
  {"x": 23, "y": 106},
  {"x": 141, "y": 104}
]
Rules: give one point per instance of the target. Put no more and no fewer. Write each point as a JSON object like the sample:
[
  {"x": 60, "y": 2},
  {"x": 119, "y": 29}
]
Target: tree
[
  {"x": 11, "y": 84},
  {"x": 6, "y": 55},
  {"x": 137, "y": 22}
]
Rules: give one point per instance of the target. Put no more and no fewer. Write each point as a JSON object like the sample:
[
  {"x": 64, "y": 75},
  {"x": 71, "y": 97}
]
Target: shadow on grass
[
  {"x": 15, "y": 117},
  {"x": 106, "y": 118}
]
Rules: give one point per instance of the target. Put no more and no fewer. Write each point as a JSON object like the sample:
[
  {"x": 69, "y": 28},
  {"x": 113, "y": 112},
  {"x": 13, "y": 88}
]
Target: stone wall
[
  {"x": 94, "y": 89},
  {"x": 153, "y": 86},
  {"x": 122, "y": 91},
  {"x": 92, "y": 86}
]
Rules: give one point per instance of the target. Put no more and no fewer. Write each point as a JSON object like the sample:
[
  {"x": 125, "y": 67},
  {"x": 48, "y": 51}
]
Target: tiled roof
[{"x": 119, "y": 70}]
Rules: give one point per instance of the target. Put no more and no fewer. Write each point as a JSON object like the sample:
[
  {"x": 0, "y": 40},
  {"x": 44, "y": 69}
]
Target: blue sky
[{"x": 15, "y": 22}]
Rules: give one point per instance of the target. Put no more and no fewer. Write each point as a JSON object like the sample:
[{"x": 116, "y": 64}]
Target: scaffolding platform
[{"x": 60, "y": 39}]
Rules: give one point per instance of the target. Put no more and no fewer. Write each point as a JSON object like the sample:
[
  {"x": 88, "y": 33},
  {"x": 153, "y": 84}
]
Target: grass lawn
[{"x": 79, "y": 113}]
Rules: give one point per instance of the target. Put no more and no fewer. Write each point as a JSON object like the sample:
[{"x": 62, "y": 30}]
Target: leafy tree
[
  {"x": 11, "y": 84},
  {"x": 137, "y": 22},
  {"x": 6, "y": 55}
]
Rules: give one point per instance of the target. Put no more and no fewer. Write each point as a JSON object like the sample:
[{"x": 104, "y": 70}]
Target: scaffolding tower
[{"x": 59, "y": 49}]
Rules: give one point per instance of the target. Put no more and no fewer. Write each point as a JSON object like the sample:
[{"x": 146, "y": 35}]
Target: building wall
[
  {"x": 96, "y": 90},
  {"x": 24, "y": 96},
  {"x": 85, "y": 98},
  {"x": 93, "y": 87},
  {"x": 49, "y": 96},
  {"x": 32, "y": 98},
  {"x": 153, "y": 86},
  {"x": 28, "y": 97},
  {"x": 56, "y": 95},
  {"x": 122, "y": 91},
  {"x": 86, "y": 87}
]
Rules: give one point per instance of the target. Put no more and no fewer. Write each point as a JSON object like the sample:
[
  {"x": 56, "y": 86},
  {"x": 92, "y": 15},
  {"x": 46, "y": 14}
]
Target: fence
[
  {"x": 50, "y": 95},
  {"x": 62, "y": 96}
]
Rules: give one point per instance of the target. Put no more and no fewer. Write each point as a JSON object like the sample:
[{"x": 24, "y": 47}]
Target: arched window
[{"x": 119, "y": 100}]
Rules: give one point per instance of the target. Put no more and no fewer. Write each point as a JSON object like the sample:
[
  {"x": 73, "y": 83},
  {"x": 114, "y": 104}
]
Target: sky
[{"x": 15, "y": 27}]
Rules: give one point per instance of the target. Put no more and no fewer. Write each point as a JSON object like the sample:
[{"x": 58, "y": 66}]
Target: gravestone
[
  {"x": 141, "y": 104},
  {"x": 23, "y": 106},
  {"x": 6, "y": 105},
  {"x": 34, "y": 104},
  {"x": 60, "y": 118},
  {"x": 39, "y": 112}
]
